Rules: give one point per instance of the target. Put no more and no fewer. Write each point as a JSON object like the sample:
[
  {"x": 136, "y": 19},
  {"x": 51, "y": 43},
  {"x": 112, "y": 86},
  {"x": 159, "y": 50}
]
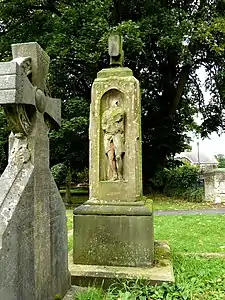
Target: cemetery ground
[
  {"x": 160, "y": 201},
  {"x": 198, "y": 248}
]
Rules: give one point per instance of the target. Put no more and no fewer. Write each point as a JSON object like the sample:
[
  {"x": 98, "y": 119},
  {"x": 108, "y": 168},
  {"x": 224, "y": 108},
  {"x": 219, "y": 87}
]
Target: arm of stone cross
[
  {"x": 15, "y": 86},
  {"x": 53, "y": 110},
  {"x": 22, "y": 88}
]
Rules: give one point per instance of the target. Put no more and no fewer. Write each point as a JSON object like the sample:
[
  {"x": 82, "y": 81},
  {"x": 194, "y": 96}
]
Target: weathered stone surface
[
  {"x": 214, "y": 185},
  {"x": 33, "y": 234},
  {"x": 127, "y": 88},
  {"x": 123, "y": 210},
  {"x": 113, "y": 240},
  {"x": 116, "y": 50},
  {"x": 114, "y": 227},
  {"x": 105, "y": 275}
]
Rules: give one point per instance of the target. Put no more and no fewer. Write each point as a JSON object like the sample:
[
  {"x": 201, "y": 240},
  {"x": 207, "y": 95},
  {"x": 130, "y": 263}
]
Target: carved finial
[{"x": 116, "y": 50}]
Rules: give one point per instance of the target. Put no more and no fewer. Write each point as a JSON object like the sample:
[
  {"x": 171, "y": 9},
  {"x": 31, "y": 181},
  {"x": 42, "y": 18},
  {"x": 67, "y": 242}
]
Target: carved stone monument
[
  {"x": 33, "y": 233},
  {"x": 114, "y": 227}
]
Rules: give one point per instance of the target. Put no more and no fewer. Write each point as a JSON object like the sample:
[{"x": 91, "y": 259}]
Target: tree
[
  {"x": 221, "y": 160},
  {"x": 69, "y": 145},
  {"x": 165, "y": 43}
]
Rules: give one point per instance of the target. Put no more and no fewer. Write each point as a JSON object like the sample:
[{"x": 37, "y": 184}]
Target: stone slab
[
  {"x": 161, "y": 272},
  {"x": 132, "y": 210},
  {"x": 116, "y": 240},
  {"x": 114, "y": 72}
]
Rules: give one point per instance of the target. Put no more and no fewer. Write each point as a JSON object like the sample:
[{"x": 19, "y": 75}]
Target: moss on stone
[
  {"x": 162, "y": 253},
  {"x": 148, "y": 203},
  {"x": 120, "y": 71}
]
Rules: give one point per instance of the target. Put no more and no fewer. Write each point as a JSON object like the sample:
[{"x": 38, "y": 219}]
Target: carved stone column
[{"x": 114, "y": 227}]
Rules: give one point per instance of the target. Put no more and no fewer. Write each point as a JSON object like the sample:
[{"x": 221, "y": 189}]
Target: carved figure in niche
[{"x": 113, "y": 127}]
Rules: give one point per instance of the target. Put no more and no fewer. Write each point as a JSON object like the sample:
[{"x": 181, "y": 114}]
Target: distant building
[{"x": 206, "y": 161}]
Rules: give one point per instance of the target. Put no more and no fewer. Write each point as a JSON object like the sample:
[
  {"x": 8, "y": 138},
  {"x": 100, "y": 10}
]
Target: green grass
[
  {"x": 199, "y": 233},
  {"x": 69, "y": 215},
  {"x": 162, "y": 202},
  {"x": 197, "y": 278},
  {"x": 76, "y": 191},
  {"x": 202, "y": 279},
  {"x": 70, "y": 243}
]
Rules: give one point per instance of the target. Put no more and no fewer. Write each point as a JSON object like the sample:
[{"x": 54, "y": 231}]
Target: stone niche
[
  {"x": 111, "y": 85},
  {"x": 108, "y": 99}
]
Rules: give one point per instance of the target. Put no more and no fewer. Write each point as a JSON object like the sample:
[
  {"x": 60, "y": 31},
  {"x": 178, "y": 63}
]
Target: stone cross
[
  {"x": 33, "y": 234},
  {"x": 116, "y": 50},
  {"x": 22, "y": 87}
]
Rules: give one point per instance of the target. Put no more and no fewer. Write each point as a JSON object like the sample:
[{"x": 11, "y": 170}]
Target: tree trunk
[{"x": 68, "y": 186}]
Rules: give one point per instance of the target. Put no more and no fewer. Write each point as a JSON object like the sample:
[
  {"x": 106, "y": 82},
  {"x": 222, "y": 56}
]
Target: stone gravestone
[
  {"x": 114, "y": 227},
  {"x": 33, "y": 233}
]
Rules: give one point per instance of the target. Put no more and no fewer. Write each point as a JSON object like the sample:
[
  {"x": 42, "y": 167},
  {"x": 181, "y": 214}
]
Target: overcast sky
[{"x": 215, "y": 144}]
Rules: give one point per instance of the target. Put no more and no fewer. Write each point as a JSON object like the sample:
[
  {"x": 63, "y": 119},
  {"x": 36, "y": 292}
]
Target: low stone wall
[{"x": 214, "y": 185}]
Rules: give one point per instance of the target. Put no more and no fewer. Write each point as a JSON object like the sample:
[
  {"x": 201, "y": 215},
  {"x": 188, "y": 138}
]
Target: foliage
[
  {"x": 91, "y": 294},
  {"x": 194, "y": 194},
  {"x": 59, "y": 173},
  {"x": 181, "y": 181},
  {"x": 221, "y": 160},
  {"x": 83, "y": 176},
  {"x": 69, "y": 145},
  {"x": 135, "y": 290},
  {"x": 165, "y": 43}
]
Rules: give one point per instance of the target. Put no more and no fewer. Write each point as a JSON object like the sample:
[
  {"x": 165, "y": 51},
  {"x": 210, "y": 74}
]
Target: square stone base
[
  {"x": 162, "y": 271},
  {"x": 113, "y": 240}
]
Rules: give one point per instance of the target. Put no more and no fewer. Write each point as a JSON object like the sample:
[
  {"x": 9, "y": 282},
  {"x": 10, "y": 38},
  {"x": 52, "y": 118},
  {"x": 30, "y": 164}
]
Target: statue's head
[{"x": 114, "y": 100}]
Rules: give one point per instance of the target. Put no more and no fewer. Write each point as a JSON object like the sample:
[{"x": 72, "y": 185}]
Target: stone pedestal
[
  {"x": 114, "y": 227},
  {"x": 103, "y": 236},
  {"x": 214, "y": 185}
]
